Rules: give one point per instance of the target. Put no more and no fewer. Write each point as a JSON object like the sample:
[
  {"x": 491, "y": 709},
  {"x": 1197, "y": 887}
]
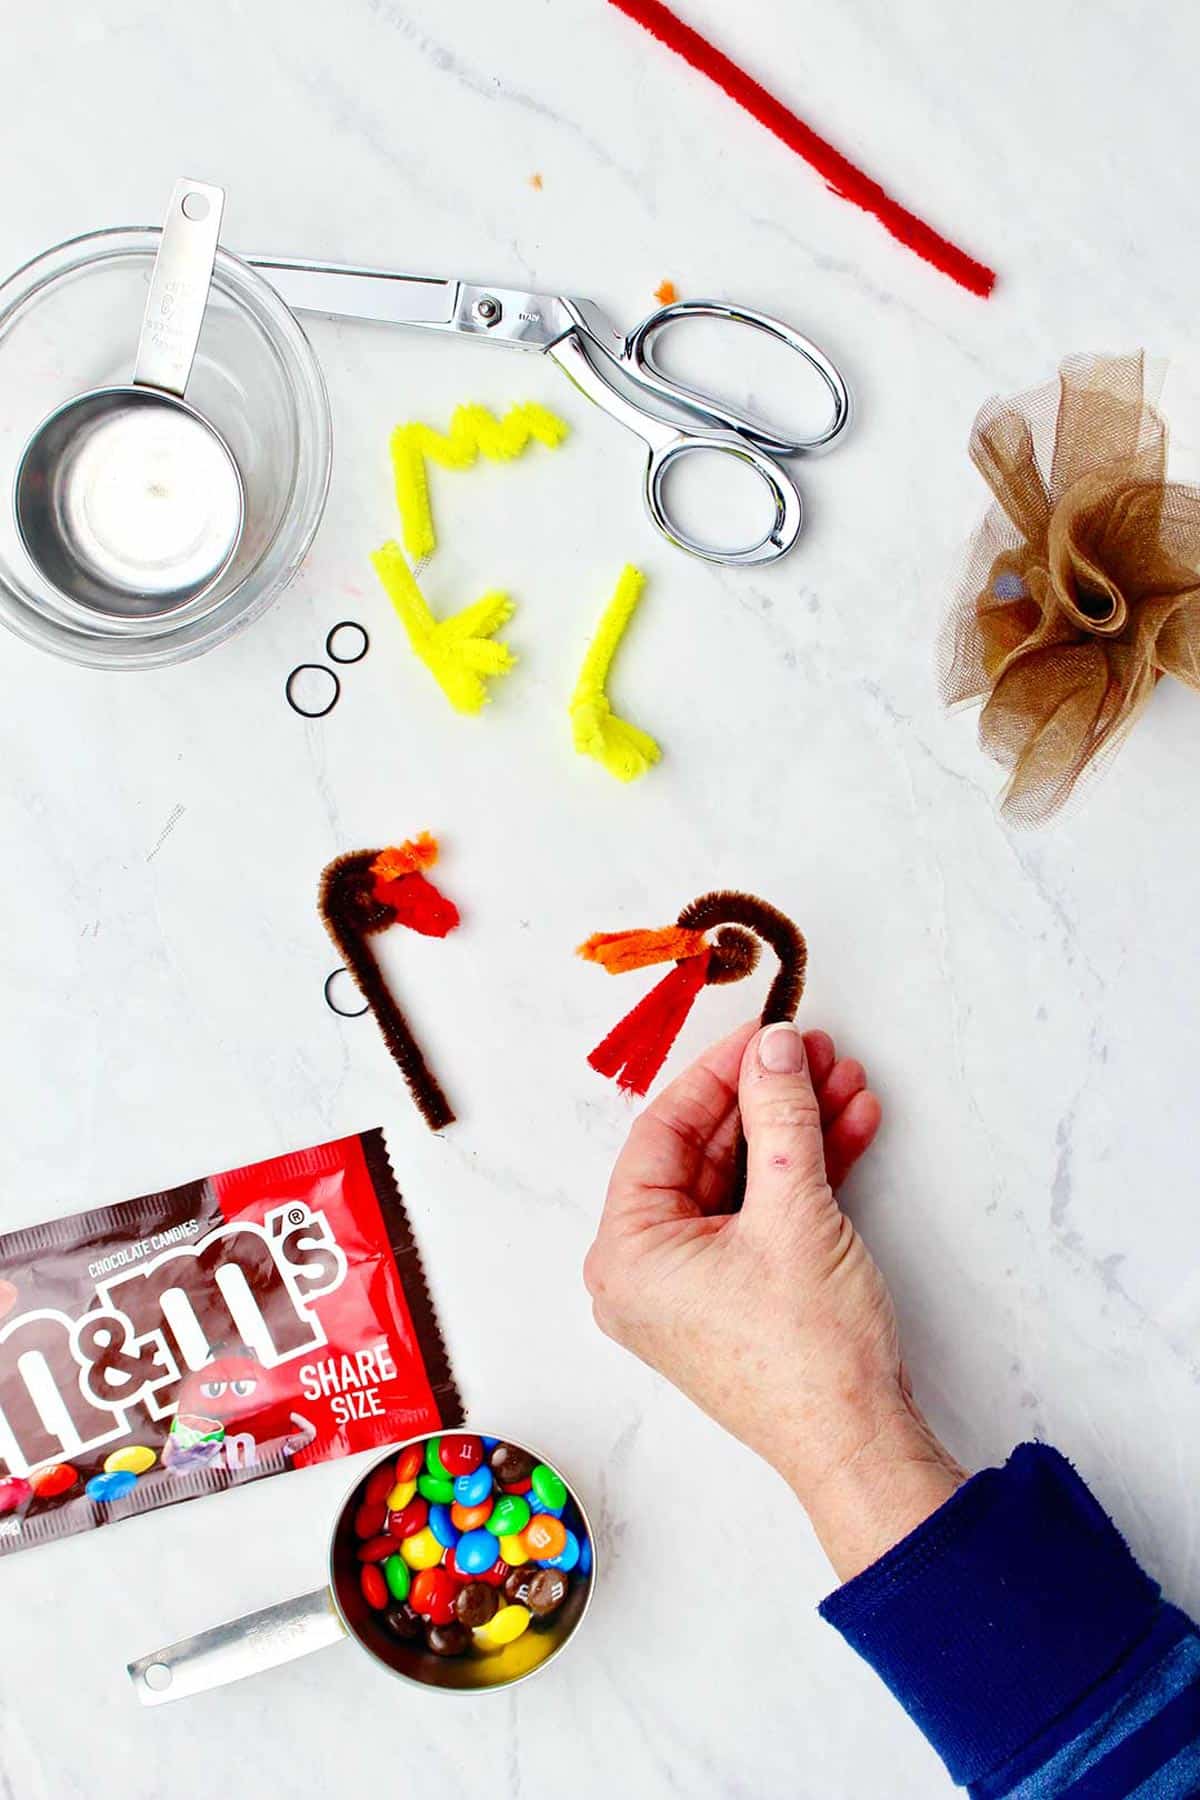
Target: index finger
[{"x": 658, "y": 1171}]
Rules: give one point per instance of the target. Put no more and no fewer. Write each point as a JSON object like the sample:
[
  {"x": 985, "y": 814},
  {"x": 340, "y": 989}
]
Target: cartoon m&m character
[{"x": 233, "y": 1412}]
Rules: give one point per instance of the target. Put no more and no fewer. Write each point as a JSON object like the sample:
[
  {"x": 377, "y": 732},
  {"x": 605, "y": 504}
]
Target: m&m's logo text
[{"x": 69, "y": 1384}]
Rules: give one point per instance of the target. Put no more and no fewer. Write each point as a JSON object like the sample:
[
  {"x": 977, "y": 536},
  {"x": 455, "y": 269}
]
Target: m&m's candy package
[{"x": 188, "y": 1341}]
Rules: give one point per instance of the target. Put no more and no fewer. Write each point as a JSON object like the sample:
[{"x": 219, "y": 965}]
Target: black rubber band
[
  {"x": 346, "y": 625},
  {"x": 332, "y": 976},
  {"x": 299, "y": 670}
]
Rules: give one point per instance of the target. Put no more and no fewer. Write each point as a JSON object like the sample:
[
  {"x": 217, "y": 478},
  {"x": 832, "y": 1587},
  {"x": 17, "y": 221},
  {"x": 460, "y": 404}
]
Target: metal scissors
[{"x": 620, "y": 372}]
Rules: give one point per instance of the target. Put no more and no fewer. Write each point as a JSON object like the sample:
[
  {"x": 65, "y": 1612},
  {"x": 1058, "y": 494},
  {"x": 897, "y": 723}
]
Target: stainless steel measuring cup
[
  {"x": 278, "y": 1634},
  {"x": 126, "y": 499}
]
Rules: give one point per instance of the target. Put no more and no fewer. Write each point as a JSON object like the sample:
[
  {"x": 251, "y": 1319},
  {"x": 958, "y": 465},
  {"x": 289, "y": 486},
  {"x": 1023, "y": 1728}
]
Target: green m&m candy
[
  {"x": 398, "y": 1577},
  {"x": 436, "y": 1488},
  {"x": 433, "y": 1460},
  {"x": 549, "y": 1487},
  {"x": 509, "y": 1516}
]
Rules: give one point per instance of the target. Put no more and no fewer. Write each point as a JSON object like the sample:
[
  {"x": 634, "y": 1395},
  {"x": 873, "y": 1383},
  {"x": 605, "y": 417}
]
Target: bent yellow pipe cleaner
[
  {"x": 460, "y": 652},
  {"x": 624, "y": 750},
  {"x": 474, "y": 431}
]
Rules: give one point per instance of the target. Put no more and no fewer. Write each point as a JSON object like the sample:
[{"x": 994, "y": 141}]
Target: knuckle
[
  {"x": 595, "y": 1270},
  {"x": 789, "y": 1112}
]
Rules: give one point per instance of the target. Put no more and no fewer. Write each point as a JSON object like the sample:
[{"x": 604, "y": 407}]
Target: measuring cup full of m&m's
[{"x": 459, "y": 1562}]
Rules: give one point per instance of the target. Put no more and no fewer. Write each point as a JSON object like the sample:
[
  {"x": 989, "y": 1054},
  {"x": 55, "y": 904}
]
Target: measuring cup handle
[
  {"x": 260, "y": 1640},
  {"x": 179, "y": 285}
]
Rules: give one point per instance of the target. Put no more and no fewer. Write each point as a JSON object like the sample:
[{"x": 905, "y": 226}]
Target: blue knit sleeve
[{"x": 1020, "y": 1635}]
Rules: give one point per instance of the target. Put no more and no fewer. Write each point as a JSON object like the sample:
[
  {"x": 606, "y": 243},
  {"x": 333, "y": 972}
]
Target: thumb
[{"x": 785, "y": 1161}]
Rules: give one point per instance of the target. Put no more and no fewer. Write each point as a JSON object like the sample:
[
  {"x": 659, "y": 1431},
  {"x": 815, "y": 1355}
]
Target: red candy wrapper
[{"x": 228, "y": 1329}]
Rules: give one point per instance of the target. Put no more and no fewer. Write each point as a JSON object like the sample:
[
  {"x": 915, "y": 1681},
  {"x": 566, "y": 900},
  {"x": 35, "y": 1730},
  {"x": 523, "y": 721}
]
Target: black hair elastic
[
  {"x": 321, "y": 670},
  {"x": 329, "y": 979},
  {"x": 347, "y": 625}
]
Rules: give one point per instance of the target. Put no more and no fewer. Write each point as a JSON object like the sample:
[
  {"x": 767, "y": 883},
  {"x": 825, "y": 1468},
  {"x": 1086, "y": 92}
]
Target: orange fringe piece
[
  {"x": 620, "y": 951},
  {"x": 406, "y": 858}
]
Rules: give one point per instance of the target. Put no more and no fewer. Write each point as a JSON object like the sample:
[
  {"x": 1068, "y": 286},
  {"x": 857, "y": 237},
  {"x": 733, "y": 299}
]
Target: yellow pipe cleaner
[
  {"x": 473, "y": 431},
  {"x": 459, "y": 652},
  {"x": 625, "y": 751}
]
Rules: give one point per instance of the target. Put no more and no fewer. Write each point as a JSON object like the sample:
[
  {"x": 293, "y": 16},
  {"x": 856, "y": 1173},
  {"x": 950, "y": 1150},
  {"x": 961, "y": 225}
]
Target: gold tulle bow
[{"x": 1081, "y": 588}]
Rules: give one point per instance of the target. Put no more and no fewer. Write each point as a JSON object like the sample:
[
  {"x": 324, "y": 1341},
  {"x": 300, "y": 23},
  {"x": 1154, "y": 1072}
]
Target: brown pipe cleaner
[
  {"x": 635, "y": 1050},
  {"x": 1082, "y": 585},
  {"x": 364, "y": 892}
]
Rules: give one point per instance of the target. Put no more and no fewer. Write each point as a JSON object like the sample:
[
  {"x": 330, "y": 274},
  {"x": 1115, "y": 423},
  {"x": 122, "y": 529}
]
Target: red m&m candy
[
  {"x": 379, "y": 1486},
  {"x": 410, "y": 1519},
  {"x": 52, "y": 1480},
  {"x": 433, "y": 1594},
  {"x": 370, "y": 1518},
  {"x": 460, "y": 1453},
  {"x": 377, "y": 1549},
  {"x": 374, "y": 1587},
  {"x": 410, "y": 1462},
  {"x": 14, "y": 1494}
]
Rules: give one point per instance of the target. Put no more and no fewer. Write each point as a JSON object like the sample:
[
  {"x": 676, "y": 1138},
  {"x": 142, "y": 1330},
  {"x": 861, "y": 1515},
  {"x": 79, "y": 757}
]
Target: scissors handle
[
  {"x": 667, "y": 445},
  {"x": 787, "y": 508},
  {"x": 640, "y": 359}
]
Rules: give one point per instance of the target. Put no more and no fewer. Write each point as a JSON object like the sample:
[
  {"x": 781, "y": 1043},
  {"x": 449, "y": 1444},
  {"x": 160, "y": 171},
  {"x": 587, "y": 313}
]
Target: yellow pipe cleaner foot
[
  {"x": 474, "y": 431},
  {"x": 624, "y": 750},
  {"x": 460, "y": 651}
]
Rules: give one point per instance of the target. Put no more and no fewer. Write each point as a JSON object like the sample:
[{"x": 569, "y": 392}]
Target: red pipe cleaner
[{"x": 847, "y": 181}]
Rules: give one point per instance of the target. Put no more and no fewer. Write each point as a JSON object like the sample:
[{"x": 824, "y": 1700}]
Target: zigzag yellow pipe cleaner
[
  {"x": 459, "y": 652},
  {"x": 624, "y": 750},
  {"x": 474, "y": 431}
]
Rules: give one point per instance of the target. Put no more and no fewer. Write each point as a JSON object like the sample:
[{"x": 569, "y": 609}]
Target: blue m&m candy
[
  {"x": 585, "y": 1556},
  {"x": 111, "y": 1486},
  {"x": 475, "y": 1551},
  {"x": 473, "y": 1489},
  {"x": 442, "y": 1526}
]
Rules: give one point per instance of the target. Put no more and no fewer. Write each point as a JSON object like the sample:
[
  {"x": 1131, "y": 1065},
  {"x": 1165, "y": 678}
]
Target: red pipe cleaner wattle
[
  {"x": 849, "y": 182},
  {"x": 636, "y": 1048}
]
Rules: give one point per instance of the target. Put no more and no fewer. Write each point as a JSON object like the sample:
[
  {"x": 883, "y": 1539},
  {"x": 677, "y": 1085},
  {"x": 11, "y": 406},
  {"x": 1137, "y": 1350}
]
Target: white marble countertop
[{"x": 1027, "y": 1005}]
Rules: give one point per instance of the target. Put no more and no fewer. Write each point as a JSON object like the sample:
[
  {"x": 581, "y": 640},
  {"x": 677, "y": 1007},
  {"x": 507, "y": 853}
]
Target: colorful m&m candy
[{"x": 462, "y": 1540}]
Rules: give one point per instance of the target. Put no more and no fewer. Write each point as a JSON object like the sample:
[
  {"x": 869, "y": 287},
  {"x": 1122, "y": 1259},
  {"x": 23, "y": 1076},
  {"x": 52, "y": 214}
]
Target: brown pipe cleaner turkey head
[
  {"x": 364, "y": 892},
  {"x": 1082, "y": 585},
  {"x": 636, "y": 1048}
]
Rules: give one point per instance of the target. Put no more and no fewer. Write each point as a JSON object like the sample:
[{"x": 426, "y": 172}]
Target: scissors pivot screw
[{"x": 487, "y": 310}]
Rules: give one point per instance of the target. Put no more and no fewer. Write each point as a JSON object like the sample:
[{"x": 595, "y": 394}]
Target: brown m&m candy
[
  {"x": 516, "y": 1583},
  {"x": 403, "y": 1622},
  {"x": 546, "y": 1592},
  {"x": 510, "y": 1464},
  {"x": 476, "y": 1603},
  {"x": 448, "y": 1640}
]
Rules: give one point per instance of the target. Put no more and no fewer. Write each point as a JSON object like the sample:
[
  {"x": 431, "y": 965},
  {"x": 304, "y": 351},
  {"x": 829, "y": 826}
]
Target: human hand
[{"x": 773, "y": 1319}]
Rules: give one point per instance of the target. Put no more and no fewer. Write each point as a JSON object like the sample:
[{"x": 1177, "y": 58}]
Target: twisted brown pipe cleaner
[{"x": 363, "y": 893}]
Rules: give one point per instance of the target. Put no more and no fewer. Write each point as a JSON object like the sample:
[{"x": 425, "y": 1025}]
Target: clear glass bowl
[{"x": 69, "y": 321}]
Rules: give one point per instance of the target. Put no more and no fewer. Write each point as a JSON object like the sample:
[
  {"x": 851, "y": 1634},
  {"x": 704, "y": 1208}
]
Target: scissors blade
[
  {"x": 509, "y": 316},
  {"x": 344, "y": 292}
]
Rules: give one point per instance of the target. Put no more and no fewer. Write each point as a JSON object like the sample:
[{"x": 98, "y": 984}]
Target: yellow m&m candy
[
  {"x": 421, "y": 1550},
  {"x": 502, "y": 1628},
  {"x": 134, "y": 1459}
]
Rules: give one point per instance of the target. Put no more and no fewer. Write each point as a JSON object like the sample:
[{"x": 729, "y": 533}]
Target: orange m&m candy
[
  {"x": 470, "y": 1518},
  {"x": 545, "y": 1536}
]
